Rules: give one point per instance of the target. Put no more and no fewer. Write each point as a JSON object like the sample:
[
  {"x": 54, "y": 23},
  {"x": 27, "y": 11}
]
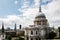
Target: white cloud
[
  {"x": 52, "y": 12},
  {"x": 16, "y": 2},
  {"x": 36, "y": 2},
  {"x": 10, "y": 20},
  {"x": 28, "y": 15},
  {"x": 25, "y": 4}
]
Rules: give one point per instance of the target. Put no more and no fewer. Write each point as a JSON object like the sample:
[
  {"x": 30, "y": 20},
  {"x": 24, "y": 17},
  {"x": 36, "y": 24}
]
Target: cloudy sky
[{"x": 23, "y": 12}]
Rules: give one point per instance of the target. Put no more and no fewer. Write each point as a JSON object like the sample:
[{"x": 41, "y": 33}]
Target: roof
[{"x": 41, "y": 15}]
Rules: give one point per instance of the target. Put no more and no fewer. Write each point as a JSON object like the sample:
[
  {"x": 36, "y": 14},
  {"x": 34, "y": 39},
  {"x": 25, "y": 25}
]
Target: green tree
[
  {"x": 59, "y": 31},
  {"x": 8, "y": 37},
  {"x": 51, "y": 35}
]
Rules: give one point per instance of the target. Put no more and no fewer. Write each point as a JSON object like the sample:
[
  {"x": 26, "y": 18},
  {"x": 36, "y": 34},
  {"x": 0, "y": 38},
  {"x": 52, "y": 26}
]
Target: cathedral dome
[{"x": 41, "y": 15}]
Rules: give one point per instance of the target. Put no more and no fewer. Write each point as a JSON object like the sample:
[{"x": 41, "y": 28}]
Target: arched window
[
  {"x": 31, "y": 32},
  {"x": 36, "y": 32}
]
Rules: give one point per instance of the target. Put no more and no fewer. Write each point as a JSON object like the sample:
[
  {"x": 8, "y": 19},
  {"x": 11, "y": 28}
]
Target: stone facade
[{"x": 40, "y": 29}]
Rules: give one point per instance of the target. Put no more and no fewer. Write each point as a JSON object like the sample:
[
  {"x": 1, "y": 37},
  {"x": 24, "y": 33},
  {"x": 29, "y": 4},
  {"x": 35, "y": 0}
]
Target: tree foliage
[
  {"x": 8, "y": 37},
  {"x": 51, "y": 35},
  {"x": 59, "y": 31}
]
